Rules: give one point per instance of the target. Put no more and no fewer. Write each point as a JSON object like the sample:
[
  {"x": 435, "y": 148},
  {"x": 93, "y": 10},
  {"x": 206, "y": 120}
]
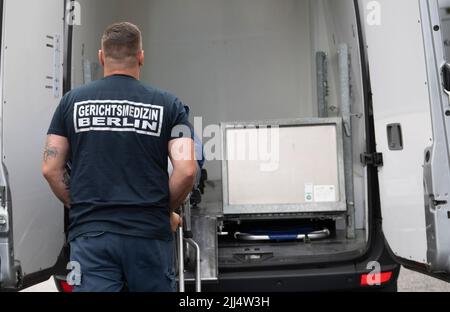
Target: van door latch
[
  {"x": 3, "y": 196},
  {"x": 372, "y": 159}
]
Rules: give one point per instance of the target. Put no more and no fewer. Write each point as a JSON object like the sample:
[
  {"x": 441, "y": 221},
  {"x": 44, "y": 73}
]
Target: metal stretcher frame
[
  {"x": 339, "y": 207},
  {"x": 317, "y": 235}
]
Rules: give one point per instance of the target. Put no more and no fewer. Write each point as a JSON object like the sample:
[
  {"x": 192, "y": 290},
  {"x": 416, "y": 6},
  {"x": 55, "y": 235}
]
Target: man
[{"x": 119, "y": 135}]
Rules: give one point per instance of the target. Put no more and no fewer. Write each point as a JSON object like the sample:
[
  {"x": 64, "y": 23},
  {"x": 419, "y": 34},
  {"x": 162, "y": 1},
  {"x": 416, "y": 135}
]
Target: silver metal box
[{"x": 284, "y": 166}]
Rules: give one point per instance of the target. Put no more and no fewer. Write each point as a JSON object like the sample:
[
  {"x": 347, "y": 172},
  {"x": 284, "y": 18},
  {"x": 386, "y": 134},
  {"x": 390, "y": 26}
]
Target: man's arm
[
  {"x": 56, "y": 154},
  {"x": 181, "y": 153}
]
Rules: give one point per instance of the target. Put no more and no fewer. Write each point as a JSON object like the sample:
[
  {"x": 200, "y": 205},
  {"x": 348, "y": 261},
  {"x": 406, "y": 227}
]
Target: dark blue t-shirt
[{"x": 119, "y": 131}]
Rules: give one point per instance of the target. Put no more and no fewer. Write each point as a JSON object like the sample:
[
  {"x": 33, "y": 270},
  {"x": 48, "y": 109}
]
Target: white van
[{"x": 377, "y": 69}]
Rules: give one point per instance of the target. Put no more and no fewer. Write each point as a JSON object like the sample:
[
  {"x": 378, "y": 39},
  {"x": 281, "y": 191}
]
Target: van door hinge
[{"x": 372, "y": 159}]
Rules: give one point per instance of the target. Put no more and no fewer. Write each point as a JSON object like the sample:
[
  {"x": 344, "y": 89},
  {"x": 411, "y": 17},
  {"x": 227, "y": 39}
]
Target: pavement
[
  {"x": 415, "y": 282},
  {"x": 409, "y": 282},
  {"x": 48, "y": 286}
]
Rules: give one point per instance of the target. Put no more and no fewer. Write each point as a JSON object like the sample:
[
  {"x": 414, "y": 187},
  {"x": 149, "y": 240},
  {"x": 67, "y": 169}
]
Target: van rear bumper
[
  {"x": 337, "y": 278},
  {"x": 332, "y": 277}
]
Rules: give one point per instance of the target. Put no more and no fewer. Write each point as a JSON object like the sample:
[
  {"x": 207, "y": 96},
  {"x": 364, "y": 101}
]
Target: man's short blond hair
[{"x": 121, "y": 41}]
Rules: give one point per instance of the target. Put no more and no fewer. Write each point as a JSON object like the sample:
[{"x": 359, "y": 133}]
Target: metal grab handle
[
  {"x": 181, "y": 280},
  {"x": 198, "y": 277},
  {"x": 181, "y": 276},
  {"x": 185, "y": 214}
]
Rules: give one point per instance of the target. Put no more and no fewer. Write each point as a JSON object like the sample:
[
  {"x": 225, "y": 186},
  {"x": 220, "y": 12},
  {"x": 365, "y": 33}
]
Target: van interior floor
[{"x": 234, "y": 253}]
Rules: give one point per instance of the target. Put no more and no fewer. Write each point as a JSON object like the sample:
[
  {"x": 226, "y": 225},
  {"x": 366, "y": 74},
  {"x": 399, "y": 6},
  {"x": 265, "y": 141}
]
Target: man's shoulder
[
  {"x": 79, "y": 92},
  {"x": 149, "y": 92},
  {"x": 160, "y": 95},
  {"x": 85, "y": 89}
]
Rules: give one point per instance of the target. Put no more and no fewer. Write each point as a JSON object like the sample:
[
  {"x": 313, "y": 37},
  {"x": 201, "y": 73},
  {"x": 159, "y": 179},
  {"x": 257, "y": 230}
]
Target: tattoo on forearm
[
  {"x": 66, "y": 180},
  {"x": 50, "y": 152}
]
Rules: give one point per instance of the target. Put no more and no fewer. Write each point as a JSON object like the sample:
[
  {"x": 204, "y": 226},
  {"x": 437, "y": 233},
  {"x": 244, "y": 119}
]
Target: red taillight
[
  {"x": 65, "y": 287},
  {"x": 375, "y": 279}
]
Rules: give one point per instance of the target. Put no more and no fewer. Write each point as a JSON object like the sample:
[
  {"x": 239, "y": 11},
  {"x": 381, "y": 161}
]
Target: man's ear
[
  {"x": 101, "y": 57},
  {"x": 141, "y": 58}
]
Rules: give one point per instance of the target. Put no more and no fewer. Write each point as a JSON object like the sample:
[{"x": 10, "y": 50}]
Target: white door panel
[
  {"x": 30, "y": 96},
  {"x": 405, "y": 52},
  {"x": 400, "y": 95}
]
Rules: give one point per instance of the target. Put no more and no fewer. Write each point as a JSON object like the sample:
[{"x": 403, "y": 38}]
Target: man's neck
[{"x": 132, "y": 73}]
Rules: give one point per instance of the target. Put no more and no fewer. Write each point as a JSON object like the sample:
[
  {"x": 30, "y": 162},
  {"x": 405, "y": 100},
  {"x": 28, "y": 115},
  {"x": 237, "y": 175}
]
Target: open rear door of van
[
  {"x": 31, "y": 219},
  {"x": 412, "y": 124}
]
